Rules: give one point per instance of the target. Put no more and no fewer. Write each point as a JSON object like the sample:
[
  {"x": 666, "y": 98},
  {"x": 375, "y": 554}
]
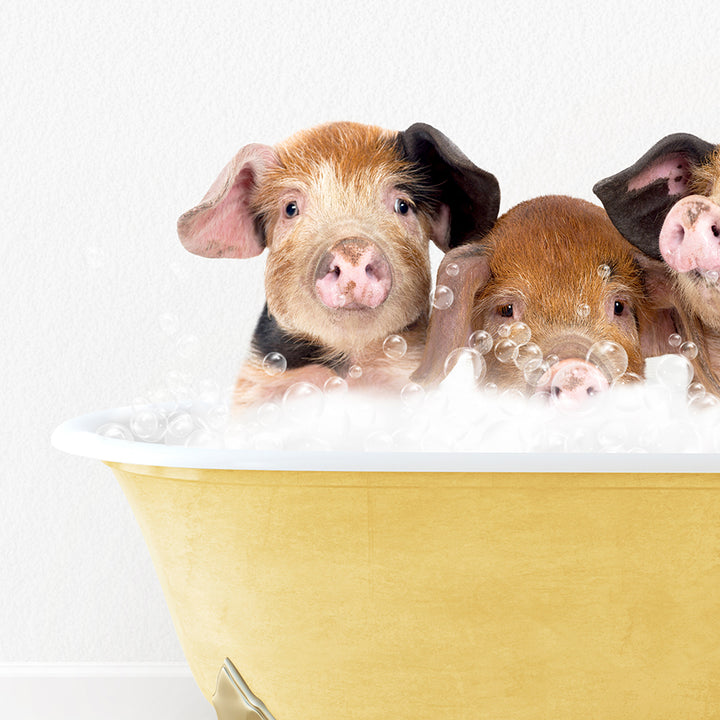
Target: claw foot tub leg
[{"x": 233, "y": 699}]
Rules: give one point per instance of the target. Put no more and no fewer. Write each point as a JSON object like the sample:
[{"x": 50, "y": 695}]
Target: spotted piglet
[
  {"x": 346, "y": 212},
  {"x": 668, "y": 205},
  {"x": 558, "y": 300}
]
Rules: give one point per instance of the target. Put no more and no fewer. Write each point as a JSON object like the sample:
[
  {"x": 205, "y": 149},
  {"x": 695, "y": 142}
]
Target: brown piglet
[
  {"x": 566, "y": 301},
  {"x": 668, "y": 205},
  {"x": 346, "y": 212}
]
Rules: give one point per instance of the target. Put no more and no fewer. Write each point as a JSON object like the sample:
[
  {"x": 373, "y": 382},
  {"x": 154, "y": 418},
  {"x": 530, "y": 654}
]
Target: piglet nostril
[{"x": 716, "y": 231}]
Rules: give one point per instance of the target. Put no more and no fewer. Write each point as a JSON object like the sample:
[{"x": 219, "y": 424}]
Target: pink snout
[
  {"x": 354, "y": 274},
  {"x": 690, "y": 236},
  {"x": 574, "y": 381}
]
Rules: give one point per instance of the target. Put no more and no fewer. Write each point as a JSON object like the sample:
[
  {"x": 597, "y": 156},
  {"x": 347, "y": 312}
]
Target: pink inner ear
[
  {"x": 223, "y": 225},
  {"x": 675, "y": 168}
]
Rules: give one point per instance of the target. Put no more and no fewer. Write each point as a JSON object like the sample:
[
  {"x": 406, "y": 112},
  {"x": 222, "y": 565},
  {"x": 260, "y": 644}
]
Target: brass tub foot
[{"x": 233, "y": 699}]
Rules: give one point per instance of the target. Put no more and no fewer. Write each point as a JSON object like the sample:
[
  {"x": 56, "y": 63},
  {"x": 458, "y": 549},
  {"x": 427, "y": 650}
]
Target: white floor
[{"x": 118, "y": 692}]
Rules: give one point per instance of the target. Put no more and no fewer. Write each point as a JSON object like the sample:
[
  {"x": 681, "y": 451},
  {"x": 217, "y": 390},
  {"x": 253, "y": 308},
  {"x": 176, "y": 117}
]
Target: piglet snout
[
  {"x": 573, "y": 381},
  {"x": 353, "y": 274},
  {"x": 690, "y": 236}
]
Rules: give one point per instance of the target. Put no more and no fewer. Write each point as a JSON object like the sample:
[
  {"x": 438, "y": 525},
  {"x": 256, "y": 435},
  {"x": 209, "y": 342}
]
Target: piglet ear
[
  {"x": 663, "y": 314},
  {"x": 657, "y": 316},
  {"x": 450, "y": 328},
  {"x": 638, "y": 198},
  {"x": 223, "y": 224},
  {"x": 471, "y": 195}
]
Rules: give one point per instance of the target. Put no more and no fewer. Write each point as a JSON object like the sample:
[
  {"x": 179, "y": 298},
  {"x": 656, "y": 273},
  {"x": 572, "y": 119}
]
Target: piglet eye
[
  {"x": 619, "y": 307},
  {"x": 402, "y": 207},
  {"x": 291, "y": 209},
  {"x": 506, "y": 310}
]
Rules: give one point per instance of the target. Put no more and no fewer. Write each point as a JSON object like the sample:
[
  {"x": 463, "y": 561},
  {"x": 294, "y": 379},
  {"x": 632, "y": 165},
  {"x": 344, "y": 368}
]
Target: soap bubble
[
  {"x": 481, "y": 340},
  {"x": 466, "y": 358},
  {"x": 412, "y": 395},
  {"x": 583, "y": 310},
  {"x": 216, "y": 418},
  {"x": 552, "y": 359},
  {"x": 506, "y": 350},
  {"x": 335, "y": 386},
  {"x": 115, "y": 431},
  {"x": 674, "y": 372},
  {"x": 442, "y": 298},
  {"x": 711, "y": 276},
  {"x": 675, "y": 340},
  {"x": 707, "y": 401},
  {"x": 695, "y": 389},
  {"x": 303, "y": 401},
  {"x": 689, "y": 350},
  {"x": 394, "y": 347},
  {"x": 147, "y": 424},
  {"x": 208, "y": 391},
  {"x": 604, "y": 271},
  {"x": 274, "y": 363},
  {"x": 188, "y": 346},
  {"x": 528, "y": 354},
  {"x": 519, "y": 333},
  {"x": 536, "y": 374},
  {"x": 504, "y": 330},
  {"x": 164, "y": 400},
  {"x": 452, "y": 269},
  {"x": 355, "y": 372},
  {"x": 269, "y": 414},
  {"x": 180, "y": 385},
  {"x": 179, "y": 427},
  {"x": 627, "y": 379},
  {"x": 609, "y": 357}
]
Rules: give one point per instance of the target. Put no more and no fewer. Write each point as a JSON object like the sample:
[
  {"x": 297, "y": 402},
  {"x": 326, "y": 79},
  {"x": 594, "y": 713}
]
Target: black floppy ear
[
  {"x": 471, "y": 194},
  {"x": 638, "y": 198}
]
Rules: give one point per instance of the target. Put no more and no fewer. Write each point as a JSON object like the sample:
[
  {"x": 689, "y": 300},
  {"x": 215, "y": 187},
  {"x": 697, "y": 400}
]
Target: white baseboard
[{"x": 93, "y": 691}]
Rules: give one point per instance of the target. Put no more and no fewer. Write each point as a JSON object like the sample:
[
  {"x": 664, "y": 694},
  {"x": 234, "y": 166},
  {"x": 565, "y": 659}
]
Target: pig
[
  {"x": 558, "y": 265},
  {"x": 667, "y": 204},
  {"x": 346, "y": 212}
]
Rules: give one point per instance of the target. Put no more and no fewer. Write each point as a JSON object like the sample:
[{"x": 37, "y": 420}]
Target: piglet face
[
  {"x": 347, "y": 239},
  {"x": 560, "y": 292},
  {"x": 558, "y": 267}
]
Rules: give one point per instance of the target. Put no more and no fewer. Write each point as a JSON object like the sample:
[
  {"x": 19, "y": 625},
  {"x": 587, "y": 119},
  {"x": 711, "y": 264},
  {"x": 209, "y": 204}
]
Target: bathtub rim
[{"x": 77, "y": 436}]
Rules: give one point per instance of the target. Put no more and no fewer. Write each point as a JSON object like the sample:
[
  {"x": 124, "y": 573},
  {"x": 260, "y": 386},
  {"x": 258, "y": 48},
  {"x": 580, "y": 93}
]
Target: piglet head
[
  {"x": 560, "y": 295},
  {"x": 346, "y": 212},
  {"x": 668, "y": 205}
]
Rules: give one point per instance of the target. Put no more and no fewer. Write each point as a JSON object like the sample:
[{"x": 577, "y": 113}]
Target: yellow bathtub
[{"x": 424, "y": 586}]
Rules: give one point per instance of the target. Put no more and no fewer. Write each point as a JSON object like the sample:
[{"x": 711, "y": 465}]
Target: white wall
[{"x": 114, "y": 119}]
